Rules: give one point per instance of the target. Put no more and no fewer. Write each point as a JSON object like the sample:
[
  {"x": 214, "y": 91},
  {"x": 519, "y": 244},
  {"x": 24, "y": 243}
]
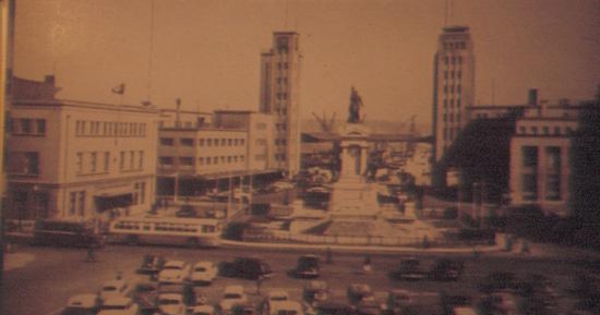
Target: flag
[{"x": 119, "y": 89}]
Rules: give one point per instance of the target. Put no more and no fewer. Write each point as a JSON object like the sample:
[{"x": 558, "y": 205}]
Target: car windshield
[
  {"x": 114, "y": 307},
  {"x": 76, "y": 311},
  {"x": 109, "y": 288},
  {"x": 172, "y": 267},
  {"x": 168, "y": 302},
  {"x": 200, "y": 269},
  {"x": 232, "y": 296},
  {"x": 279, "y": 298}
]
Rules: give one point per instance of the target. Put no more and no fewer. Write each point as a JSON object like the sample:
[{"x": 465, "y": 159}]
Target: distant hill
[{"x": 376, "y": 126}]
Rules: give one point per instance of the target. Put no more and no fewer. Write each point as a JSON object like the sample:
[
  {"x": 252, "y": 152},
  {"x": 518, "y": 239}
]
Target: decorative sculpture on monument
[{"x": 356, "y": 103}]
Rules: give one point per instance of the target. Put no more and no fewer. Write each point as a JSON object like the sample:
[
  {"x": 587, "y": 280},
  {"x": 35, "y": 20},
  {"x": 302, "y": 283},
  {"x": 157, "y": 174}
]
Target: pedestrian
[
  {"x": 328, "y": 255},
  {"x": 367, "y": 268},
  {"x": 119, "y": 275},
  {"x": 91, "y": 255},
  {"x": 259, "y": 281}
]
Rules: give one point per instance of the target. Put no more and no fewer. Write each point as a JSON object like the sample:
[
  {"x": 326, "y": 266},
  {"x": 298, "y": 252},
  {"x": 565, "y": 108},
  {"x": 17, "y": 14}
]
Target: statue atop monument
[{"x": 356, "y": 103}]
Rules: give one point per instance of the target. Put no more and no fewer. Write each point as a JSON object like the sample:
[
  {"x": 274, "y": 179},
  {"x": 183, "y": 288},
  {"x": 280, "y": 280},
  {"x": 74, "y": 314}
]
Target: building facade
[
  {"x": 540, "y": 157},
  {"x": 279, "y": 96},
  {"x": 453, "y": 87},
  {"x": 192, "y": 158},
  {"x": 68, "y": 159}
]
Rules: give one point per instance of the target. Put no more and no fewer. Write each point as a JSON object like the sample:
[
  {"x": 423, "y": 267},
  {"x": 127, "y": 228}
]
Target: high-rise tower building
[
  {"x": 453, "y": 86},
  {"x": 280, "y": 80}
]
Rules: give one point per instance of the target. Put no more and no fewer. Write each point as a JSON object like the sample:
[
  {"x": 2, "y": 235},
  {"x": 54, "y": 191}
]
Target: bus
[
  {"x": 191, "y": 232},
  {"x": 64, "y": 232}
]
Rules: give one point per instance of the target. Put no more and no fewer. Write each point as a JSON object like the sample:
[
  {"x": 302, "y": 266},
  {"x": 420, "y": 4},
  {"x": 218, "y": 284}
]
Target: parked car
[
  {"x": 171, "y": 303},
  {"x": 152, "y": 264},
  {"x": 306, "y": 267},
  {"x": 447, "y": 270},
  {"x": 203, "y": 272},
  {"x": 501, "y": 282},
  {"x": 359, "y": 293},
  {"x": 246, "y": 268},
  {"x": 334, "y": 308},
  {"x": 113, "y": 288},
  {"x": 397, "y": 299},
  {"x": 409, "y": 269},
  {"x": 232, "y": 295},
  {"x": 174, "y": 271},
  {"x": 315, "y": 291},
  {"x": 287, "y": 308},
  {"x": 203, "y": 310},
  {"x": 273, "y": 298},
  {"x": 82, "y": 304},
  {"x": 119, "y": 305}
]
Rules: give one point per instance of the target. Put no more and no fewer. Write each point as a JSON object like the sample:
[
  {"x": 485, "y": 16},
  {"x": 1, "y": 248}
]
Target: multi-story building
[
  {"x": 69, "y": 159},
  {"x": 541, "y": 157},
  {"x": 193, "y": 157},
  {"x": 279, "y": 96},
  {"x": 453, "y": 87}
]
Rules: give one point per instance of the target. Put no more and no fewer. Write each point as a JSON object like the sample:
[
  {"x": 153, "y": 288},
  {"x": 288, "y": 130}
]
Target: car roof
[
  {"x": 171, "y": 295},
  {"x": 117, "y": 300},
  {"x": 234, "y": 288},
  {"x": 83, "y": 300},
  {"x": 360, "y": 286},
  {"x": 204, "y": 264},
  {"x": 316, "y": 284},
  {"x": 278, "y": 292},
  {"x": 114, "y": 283},
  {"x": 287, "y": 305},
  {"x": 203, "y": 309}
]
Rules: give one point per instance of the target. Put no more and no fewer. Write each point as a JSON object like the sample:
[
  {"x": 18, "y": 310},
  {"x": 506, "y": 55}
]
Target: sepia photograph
[{"x": 300, "y": 157}]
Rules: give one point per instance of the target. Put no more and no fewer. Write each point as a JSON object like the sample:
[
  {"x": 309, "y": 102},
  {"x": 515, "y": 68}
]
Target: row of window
[
  {"x": 451, "y": 88},
  {"x": 209, "y": 142},
  {"x": 453, "y": 60},
  {"x": 281, "y": 126},
  {"x": 89, "y": 162},
  {"x": 530, "y": 158},
  {"x": 282, "y": 81},
  {"x": 529, "y": 189},
  {"x": 451, "y": 117},
  {"x": 109, "y": 128},
  {"x": 23, "y": 163},
  {"x": 452, "y": 74},
  {"x": 280, "y": 157},
  {"x": 451, "y": 103},
  {"x": 282, "y": 65},
  {"x": 211, "y": 160},
  {"x": 455, "y": 45},
  {"x": 545, "y": 130},
  {"x": 450, "y": 133},
  {"x": 27, "y": 126},
  {"x": 282, "y": 96}
]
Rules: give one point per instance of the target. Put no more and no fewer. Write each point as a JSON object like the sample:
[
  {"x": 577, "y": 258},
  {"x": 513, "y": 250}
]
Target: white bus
[{"x": 192, "y": 232}]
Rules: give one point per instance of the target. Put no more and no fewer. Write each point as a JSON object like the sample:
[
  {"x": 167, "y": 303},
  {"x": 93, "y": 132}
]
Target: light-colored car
[
  {"x": 113, "y": 288},
  {"x": 287, "y": 308},
  {"x": 171, "y": 304},
  {"x": 273, "y": 298},
  {"x": 203, "y": 272},
  {"x": 360, "y": 293},
  {"x": 232, "y": 295},
  {"x": 119, "y": 305},
  {"x": 203, "y": 310},
  {"x": 80, "y": 304},
  {"x": 316, "y": 291},
  {"x": 174, "y": 271}
]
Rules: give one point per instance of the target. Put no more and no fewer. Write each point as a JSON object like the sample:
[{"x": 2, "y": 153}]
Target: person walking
[
  {"x": 367, "y": 267},
  {"x": 259, "y": 281},
  {"x": 91, "y": 255}
]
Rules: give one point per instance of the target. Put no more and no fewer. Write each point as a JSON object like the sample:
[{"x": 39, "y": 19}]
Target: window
[
  {"x": 166, "y": 141},
  {"x": 529, "y": 182},
  {"x": 530, "y": 156},
  {"x": 106, "y": 161},
  {"x": 186, "y": 160},
  {"x": 216, "y": 142},
  {"x": 79, "y": 162},
  {"x": 186, "y": 142},
  {"x": 23, "y": 163},
  {"x": 141, "y": 160},
  {"x": 122, "y": 160},
  {"x": 545, "y": 130},
  {"x": 556, "y": 131},
  {"x": 534, "y": 130},
  {"x": 93, "y": 161},
  {"x": 229, "y": 142},
  {"x": 522, "y": 130},
  {"x": 261, "y": 126},
  {"x": 201, "y": 142},
  {"x": 553, "y": 162},
  {"x": 201, "y": 161},
  {"x": 208, "y": 142},
  {"x": 26, "y": 126},
  {"x": 131, "y": 160},
  {"x": 223, "y": 142},
  {"x": 215, "y": 160},
  {"x": 40, "y": 126},
  {"x": 165, "y": 160}
]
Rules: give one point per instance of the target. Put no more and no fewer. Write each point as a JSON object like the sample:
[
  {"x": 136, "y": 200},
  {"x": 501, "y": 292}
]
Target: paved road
[{"x": 44, "y": 285}]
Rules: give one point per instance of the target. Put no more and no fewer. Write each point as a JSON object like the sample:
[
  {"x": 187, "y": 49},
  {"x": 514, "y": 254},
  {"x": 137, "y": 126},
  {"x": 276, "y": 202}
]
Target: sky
[{"x": 207, "y": 52}]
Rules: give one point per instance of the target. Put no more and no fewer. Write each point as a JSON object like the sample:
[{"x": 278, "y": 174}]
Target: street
[{"x": 44, "y": 285}]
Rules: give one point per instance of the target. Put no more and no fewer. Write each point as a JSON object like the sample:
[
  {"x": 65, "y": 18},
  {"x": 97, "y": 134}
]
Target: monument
[{"x": 353, "y": 205}]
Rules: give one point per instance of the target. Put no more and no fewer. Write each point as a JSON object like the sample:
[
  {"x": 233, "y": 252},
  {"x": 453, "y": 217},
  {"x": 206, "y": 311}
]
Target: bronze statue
[{"x": 354, "y": 109}]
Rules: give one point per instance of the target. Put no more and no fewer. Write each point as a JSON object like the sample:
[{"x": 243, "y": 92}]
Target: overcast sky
[{"x": 207, "y": 52}]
